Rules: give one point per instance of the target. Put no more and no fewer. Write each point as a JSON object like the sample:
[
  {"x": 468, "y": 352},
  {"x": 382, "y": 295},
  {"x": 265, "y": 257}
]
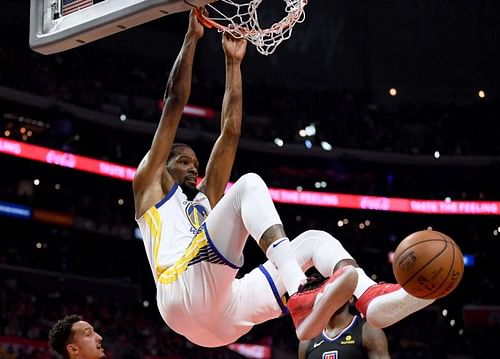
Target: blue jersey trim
[
  {"x": 331, "y": 340},
  {"x": 284, "y": 309},
  {"x": 168, "y": 196},
  {"x": 204, "y": 228}
]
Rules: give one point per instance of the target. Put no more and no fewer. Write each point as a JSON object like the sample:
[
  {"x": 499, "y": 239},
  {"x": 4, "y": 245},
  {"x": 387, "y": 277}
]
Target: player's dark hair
[
  {"x": 61, "y": 333},
  {"x": 174, "y": 150}
]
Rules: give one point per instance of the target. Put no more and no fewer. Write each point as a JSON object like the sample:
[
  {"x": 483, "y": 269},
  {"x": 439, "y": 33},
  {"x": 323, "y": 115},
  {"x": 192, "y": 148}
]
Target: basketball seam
[
  {"x": 429, "y": 262},
  {"x": 456, "y": 249},
  {"x": 448, "y": 276}
]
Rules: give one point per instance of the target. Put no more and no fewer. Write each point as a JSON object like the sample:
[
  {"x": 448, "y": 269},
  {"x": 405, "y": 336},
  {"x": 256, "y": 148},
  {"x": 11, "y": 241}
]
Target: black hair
[
  {"x": 175, "y": 147},
  {"x": 61, "y": 333}
]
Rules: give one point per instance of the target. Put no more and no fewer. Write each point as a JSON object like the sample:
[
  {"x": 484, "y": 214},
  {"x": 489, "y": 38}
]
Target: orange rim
[
  {"x": 242, "y": 31},
  {"x": 208, "y": 23}
]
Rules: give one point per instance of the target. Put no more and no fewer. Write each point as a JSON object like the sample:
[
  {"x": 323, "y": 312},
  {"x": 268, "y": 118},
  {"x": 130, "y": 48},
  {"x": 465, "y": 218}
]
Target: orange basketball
[{"x": 428, "y": 264}]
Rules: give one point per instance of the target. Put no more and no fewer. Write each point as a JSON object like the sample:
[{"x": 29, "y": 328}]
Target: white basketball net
[{"x": 243, "y": 22}]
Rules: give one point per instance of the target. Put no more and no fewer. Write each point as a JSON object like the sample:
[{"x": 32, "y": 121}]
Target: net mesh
[{"x": 242, "y": 21}]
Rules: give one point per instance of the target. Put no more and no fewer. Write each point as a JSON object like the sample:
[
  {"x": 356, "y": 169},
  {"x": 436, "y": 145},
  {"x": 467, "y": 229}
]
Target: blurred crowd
[{"x": 462, "y": 125}]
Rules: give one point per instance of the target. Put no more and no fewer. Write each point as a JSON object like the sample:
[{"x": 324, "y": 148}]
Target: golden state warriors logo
[{"x": 196, "y": 214}]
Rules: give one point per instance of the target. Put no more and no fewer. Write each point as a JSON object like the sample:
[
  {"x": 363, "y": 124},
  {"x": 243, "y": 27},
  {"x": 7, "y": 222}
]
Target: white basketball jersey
[{"x": 169, "y": 227}]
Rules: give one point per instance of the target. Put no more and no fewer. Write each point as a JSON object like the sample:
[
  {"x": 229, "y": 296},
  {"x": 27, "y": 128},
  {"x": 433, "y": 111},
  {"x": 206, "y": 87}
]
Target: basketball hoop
[{"x": 242, "y": 21}]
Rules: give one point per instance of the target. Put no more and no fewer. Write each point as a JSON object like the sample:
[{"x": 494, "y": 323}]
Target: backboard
[{"x": 59, "y": 25}]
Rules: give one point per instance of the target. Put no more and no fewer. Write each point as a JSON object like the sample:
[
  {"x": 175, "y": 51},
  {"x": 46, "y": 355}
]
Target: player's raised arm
[
  {"x": 221, "y": 159},
  {"x": 152, "y": 181}
]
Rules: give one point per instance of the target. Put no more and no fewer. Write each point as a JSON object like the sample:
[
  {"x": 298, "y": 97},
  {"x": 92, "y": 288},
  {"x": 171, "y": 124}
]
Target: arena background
[{"x": 68, "y": 240}]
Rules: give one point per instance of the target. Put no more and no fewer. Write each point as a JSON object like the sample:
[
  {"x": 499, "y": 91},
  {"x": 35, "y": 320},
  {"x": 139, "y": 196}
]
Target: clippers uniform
[{"x": 348, "y": 344}]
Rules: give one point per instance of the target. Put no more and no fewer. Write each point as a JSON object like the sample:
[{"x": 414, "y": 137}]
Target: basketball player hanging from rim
[{"x": 194, "y": 235}]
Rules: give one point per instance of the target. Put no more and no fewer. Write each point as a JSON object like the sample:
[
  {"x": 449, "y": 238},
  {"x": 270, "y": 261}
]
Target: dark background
[{"x": 335, "y": 72}]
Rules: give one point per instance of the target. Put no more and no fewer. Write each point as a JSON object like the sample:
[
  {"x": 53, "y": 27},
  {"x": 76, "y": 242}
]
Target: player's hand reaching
[
  {"x": 195, "y": 27},
  {"x": 234, "y": 48}
]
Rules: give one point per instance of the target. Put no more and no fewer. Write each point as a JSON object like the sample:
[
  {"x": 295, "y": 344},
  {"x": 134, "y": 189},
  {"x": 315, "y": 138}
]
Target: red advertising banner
[
  {"x": 279, "y": 195},
  {"x": 66, "y": 159}
]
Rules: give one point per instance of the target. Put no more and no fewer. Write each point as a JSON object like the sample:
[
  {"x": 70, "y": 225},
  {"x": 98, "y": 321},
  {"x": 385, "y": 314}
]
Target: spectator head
[{"x": 72, "y": 337}]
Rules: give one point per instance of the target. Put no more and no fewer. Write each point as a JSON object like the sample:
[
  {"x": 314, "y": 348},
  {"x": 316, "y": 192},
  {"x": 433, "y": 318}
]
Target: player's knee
[
  {"x": 251, "y": 177},
  {"x": 325, "y": 236},
  {"x": 318, "y": 235},
  {"x": 251, "y": 181},
  {"x": 314, "y": 237}
]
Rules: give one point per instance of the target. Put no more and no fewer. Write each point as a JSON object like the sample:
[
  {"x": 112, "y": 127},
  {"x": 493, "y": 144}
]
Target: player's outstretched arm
[
  {"x": 221, "y": 159},
  {"x": 147, "y": 183}
]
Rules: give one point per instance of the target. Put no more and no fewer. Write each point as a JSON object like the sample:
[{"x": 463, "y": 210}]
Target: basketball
[{"x": 428, "y": 264}]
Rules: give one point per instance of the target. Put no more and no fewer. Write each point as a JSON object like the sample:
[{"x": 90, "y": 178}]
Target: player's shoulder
[
  {"x": 360, "y": 320},
  {"x": 202, "y": 198},
  {"x": 369, "y": 332},
  {"x": 304, "y": 348}
]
